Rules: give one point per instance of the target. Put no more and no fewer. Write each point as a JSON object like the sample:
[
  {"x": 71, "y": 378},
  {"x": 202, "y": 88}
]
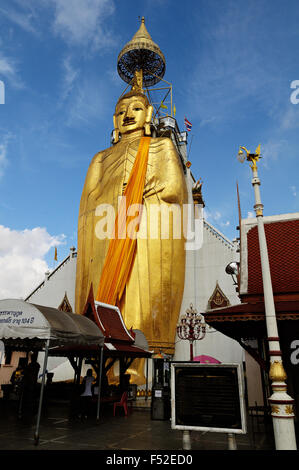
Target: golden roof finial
[
  {"x": 141, "y": 53},
  {"x": 142, "y": 32}
]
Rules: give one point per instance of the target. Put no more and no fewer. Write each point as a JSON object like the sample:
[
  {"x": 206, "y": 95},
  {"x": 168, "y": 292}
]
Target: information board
[{"x": 207, "y": 397}]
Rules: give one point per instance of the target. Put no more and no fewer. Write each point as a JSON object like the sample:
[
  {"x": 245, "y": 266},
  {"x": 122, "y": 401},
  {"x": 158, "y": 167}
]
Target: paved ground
[{"x": 136, "y": 432}]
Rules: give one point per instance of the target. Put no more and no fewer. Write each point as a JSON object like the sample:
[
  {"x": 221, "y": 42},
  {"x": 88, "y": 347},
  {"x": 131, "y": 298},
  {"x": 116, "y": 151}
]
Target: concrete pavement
[{"x": 135, "y": 432}]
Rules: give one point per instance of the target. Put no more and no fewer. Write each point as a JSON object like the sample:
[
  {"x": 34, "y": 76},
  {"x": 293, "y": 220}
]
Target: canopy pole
[
  {"x": 36, "y": 434},
  {"x": 100, "y": 383},
  {"x": 146, "y": 383}
]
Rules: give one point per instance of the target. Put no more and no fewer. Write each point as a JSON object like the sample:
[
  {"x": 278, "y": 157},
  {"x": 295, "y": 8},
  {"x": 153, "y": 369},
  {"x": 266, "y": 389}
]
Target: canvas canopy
[
  {"x": 26, "y": 323},
  {"x": 26, "y": 326}
]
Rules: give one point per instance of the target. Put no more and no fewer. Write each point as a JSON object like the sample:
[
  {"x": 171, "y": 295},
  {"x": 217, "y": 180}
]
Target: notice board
[{"x": 207, "y": 397}]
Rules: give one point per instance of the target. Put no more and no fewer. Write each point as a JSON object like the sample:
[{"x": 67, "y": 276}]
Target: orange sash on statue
[{"x": 121, "y": 251}]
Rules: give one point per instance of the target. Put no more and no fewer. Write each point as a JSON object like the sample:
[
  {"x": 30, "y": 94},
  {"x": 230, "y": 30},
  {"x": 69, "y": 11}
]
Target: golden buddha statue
[{"x": 151, "y": 296}]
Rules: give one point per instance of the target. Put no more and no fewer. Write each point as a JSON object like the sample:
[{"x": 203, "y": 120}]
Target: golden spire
[
  {"x": 142, "y": 33},
  {"x": 141, "y": 53}
]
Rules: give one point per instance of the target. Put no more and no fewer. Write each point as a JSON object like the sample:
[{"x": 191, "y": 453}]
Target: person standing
[
  {"x": 29, "y": 386},
  {"x": 86, "y": 396}
]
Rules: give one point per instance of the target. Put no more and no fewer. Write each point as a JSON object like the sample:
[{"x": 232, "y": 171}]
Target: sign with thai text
[
  {"x": 19, "y": 318},
  {"x": 207, "y": 397}
]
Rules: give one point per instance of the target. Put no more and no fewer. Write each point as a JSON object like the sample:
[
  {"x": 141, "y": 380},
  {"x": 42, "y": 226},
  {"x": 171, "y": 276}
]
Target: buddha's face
[{"x": 131, "y": 114}]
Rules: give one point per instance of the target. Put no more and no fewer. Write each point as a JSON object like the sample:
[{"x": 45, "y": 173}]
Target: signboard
[
  {"x": 12, "y": 317},
  {"x": 207, "y": 397}
]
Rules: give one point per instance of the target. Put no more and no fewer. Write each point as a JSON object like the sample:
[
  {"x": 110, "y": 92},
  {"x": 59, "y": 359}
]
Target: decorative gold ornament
[
  {"x": 275, "y": 409},
  {"x": 65, "y": 305},
  {"x": 188, "y": 164},
  {"x": 197, "y": 193},
  {"x": 138, "y": 81},
  {"x": 289, "y": 409},
  {"x": 245, "y": 154},
  {"x": 277, "y": 372}
]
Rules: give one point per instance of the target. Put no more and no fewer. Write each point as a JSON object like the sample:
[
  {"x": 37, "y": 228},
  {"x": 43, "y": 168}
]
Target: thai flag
[{"x": 188, "y": 124}]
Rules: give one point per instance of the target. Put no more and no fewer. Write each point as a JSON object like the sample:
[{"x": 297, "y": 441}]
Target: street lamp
[
  {"x": 233, "y": 270},
  {"x": 191, "y": 327},
  {"x": 282, "y": 411}
]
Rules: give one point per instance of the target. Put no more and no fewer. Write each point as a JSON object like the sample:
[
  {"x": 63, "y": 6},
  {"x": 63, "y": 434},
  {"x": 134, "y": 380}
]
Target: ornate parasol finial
[{"x": 141, "y": 55}]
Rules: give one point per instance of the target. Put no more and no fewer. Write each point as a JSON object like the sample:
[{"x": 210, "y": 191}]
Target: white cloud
[
  {"x": 224, "y": 78},
  {"x": 250, "y": 215},
  {"x": 83, "y": 26},
  {"x": 77, "y": 22},
  {"x": 70, "y": 76},
  {"x": 9, "y": 71},
  {"x": 294, "y": 190},
  {"x": 3, "y": 160},
  {"x": 273, "y": 150},
  {"x": 24, "y": 19},
  {"x": 216, "y": 218},
  {"x": 225, "y": 224},
  {"x": 6, "y": 67},
  {"x": 87, "y": 102},
  {"x": 22, "y": 259},
  {"x": 4, "y": 142},
  {"x": 290, "y": 118}
]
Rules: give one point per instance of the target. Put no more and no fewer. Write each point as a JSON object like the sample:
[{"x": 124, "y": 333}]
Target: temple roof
[
  {"x": 282, "y": 234},
  {"x": 247, "y": 319},
  {"x": 283, "y": 249},
  {"x": 118, "y": 339}
]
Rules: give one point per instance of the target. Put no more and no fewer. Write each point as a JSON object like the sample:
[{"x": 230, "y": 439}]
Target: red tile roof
[
  {"x": 118, "y": 339},
  {"x": 113, "y": 325},
  {"x": 283, "y": 248}
]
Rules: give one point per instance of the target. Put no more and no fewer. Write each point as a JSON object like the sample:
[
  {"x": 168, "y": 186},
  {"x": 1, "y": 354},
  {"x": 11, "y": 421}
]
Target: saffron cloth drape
[{"x": 121, "y": 250}]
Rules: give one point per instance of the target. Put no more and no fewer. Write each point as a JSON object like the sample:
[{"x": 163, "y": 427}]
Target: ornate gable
[
  {"x": 65, "y": 305},
  {"x": 218, "y": 299}
]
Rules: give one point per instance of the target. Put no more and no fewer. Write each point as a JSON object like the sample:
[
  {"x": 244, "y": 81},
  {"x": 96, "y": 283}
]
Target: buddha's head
[{"x": 132, "y": 112}]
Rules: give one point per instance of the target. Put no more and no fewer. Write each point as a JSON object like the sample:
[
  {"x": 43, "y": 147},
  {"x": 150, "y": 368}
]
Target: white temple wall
[
  {"x": 204, "y": 268},
  {"x": 62, "y": 280},
  {"x": 51, "y": 292}
]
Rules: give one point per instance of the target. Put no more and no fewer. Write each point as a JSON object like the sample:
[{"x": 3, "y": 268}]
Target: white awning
[{"x": 20, "y": 320}]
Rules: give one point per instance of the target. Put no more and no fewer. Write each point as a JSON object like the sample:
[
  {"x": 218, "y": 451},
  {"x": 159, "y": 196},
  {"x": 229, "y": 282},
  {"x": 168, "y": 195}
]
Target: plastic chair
[{"x": 123, "y": 402}]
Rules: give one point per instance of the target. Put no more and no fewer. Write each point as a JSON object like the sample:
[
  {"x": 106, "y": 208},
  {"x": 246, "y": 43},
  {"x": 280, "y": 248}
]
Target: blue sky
[{"x": 231, "y": 63}]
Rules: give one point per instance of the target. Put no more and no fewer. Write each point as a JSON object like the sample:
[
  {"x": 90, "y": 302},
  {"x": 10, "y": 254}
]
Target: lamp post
[
  {"x": 282, "y": 411},
  {"x": 191, "y": 327}
]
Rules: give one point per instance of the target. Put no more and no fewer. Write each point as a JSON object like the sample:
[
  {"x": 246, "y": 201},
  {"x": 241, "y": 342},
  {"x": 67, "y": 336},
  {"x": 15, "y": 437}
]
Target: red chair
[{"x": 123, "y": 402}]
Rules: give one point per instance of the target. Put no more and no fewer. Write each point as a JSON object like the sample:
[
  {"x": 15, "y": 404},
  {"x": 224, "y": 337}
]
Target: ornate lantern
[{"x": 191, "y": 327}]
